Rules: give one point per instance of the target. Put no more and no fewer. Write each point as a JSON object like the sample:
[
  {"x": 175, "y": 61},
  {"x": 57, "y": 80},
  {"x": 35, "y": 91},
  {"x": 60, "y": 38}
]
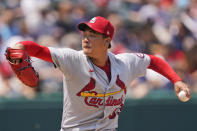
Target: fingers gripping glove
[{"x": 23, "y": 70}]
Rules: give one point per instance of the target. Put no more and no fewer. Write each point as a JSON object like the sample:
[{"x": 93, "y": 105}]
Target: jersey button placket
[{"x": 106, "y": 88}]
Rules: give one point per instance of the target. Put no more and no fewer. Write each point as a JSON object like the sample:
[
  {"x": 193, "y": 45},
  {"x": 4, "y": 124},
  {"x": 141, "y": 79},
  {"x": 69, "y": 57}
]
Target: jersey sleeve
[
  {"x": 139, "y": 64},
  {"x": 136, "y": 64},
  {"x": 64, "y": 58}
]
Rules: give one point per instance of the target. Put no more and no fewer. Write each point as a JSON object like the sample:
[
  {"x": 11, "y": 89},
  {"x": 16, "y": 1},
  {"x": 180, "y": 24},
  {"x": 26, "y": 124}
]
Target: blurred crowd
[{"x": 166, "y": 28}]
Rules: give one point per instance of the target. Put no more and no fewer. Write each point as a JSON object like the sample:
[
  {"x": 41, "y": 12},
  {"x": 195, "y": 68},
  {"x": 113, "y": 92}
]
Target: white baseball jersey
[{"x": 91, "y": 101}]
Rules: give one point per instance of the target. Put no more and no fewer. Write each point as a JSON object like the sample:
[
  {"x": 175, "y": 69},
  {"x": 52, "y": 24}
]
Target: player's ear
[{"x": 107, "y": 41}]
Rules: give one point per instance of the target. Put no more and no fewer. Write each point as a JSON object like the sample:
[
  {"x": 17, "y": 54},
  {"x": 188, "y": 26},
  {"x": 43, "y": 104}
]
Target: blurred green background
[{"x": 158, "y": 111}]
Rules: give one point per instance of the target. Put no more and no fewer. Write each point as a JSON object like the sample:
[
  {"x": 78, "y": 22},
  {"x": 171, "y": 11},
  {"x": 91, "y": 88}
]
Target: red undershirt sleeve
[
  {"x": 38, "y": 51},
  {"x": 162, "y": 67}
]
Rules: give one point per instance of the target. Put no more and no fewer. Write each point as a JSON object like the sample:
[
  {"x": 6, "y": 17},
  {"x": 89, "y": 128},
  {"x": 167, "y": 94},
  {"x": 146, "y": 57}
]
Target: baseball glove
[{"x": 23, "y": 69}]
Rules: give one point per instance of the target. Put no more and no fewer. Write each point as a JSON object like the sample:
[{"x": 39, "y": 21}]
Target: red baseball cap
[{"x": 99, "y": 24}]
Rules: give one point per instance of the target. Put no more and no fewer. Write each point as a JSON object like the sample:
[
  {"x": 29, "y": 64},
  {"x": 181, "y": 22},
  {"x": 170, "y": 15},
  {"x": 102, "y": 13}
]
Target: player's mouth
[{"x": 86, "y": 47}]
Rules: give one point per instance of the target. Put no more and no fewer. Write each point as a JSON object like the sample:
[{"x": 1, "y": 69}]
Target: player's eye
[
  {"x": 89, "y": 36},
  {"x": 92, "y": 35}
]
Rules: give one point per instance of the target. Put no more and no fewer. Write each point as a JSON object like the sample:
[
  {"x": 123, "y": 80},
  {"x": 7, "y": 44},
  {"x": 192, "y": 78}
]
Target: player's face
[{"x": 93, "y": 43}]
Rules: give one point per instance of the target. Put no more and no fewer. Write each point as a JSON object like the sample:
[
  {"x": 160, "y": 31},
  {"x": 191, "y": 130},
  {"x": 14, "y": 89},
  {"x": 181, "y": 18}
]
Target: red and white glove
[{"x": 23, "y": 67}]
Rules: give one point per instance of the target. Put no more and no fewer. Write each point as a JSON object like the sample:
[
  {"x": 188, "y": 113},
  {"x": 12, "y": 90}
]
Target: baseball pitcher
[{"x": 95, "y": 80}]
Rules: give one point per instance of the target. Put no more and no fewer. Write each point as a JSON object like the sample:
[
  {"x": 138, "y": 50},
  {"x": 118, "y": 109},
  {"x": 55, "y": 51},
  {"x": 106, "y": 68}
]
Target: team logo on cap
[{"x": 93, "y": 20}]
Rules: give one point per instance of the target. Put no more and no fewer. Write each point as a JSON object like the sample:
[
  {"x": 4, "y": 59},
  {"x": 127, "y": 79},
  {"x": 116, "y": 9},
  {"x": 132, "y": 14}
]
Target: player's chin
[{"x": 88, "y": 52}]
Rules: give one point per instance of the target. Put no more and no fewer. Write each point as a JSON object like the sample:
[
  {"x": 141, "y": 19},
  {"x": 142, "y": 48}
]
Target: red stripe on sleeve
[
  {"x": 162, "y": 67},
  {"x": 38, "y": 51}
]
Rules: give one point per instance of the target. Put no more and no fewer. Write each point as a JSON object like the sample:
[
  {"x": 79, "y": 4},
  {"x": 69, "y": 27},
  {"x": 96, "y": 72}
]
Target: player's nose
[
  {"x": 85, "y": 37},
  {"x": 85, "y": 41}
]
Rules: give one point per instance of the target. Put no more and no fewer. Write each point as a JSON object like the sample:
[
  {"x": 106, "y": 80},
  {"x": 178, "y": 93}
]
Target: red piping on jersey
[
  {"x": 36, "y": 50},
  {"x": 162, "y": 67}
]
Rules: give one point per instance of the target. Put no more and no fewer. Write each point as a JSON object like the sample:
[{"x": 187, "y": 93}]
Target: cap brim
[{"x": 82, "y": 26}]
